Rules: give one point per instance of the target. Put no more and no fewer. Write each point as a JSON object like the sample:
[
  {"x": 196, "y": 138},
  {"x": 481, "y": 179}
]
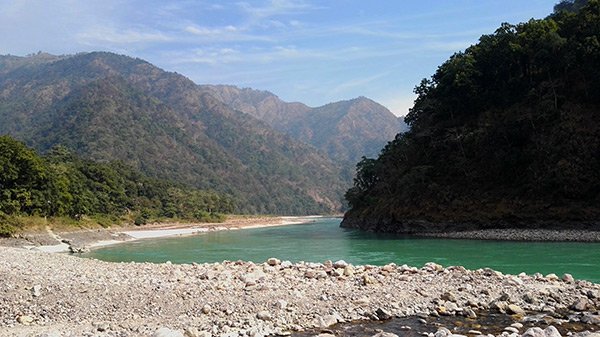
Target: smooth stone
[
  {"x": 534, "y": 332},
  {"x": 385, "y": 334},
  {"x": 273, "y": 261},
  {"x": 36, "y": 290},
  {"x": 551, "y": 332},
  {"x": 166, "y": 332},
  {"x": 515, "y": 309},
  {"x": 568, "y": 278},
  {"x": 474, "y": 332},
  {"x": 340, "y": 264},
  {"x": 25, "y": 320},
  {"x": 264, "y": 315},
  {"x": 511, "y": 329},
  {"x": 442, "y": 332}
]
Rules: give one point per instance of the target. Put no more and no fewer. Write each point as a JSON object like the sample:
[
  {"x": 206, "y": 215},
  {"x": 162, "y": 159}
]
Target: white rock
[
  {"x": 281, "y": 304},
  {"x": 385, "y": 334},
  {"x": 264, "y": 315},
  {"x": 36, "y": 290},
  {"x": 442, "y": 332},
  {"x": 534, "y": 332},
  {"x": 166, "y": 332},
  {"x": 25, "y": 320},
  {"x": 340, "y": 264}
]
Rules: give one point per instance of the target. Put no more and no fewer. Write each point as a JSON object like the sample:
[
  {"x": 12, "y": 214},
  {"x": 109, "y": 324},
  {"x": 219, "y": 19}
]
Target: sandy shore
[
  {"x": 45, "y": 294},
  {"x": 82, "y": 240}
]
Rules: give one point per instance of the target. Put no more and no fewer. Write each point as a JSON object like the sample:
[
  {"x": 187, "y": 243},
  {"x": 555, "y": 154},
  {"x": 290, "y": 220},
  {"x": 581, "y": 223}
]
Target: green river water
[{"x": 323, "y": 240}]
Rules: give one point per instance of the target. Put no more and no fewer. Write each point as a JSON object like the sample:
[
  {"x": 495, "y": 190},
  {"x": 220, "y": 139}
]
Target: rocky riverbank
[{"x": 63, "y": 295}]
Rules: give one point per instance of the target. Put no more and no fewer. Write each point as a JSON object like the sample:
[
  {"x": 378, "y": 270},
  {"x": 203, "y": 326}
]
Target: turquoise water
[{"x": 325, "y": 240}]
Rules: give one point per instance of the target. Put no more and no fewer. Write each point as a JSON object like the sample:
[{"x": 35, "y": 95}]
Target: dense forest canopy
[
  {"x": 505, "y": 133},
  {"x": 61, "y": 184}
]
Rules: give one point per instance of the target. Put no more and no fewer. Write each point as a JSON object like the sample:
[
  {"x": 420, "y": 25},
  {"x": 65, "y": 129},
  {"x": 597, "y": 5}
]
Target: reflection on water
[{"x": 323, "y": 240}]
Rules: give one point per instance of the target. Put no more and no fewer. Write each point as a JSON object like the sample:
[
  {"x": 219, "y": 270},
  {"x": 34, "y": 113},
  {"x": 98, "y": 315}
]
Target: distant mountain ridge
[
  {"x": 111, "y": 107},
  {"x": 345, "y": 130}
]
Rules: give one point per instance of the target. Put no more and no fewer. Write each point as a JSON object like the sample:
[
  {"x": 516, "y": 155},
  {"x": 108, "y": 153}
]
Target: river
[{"x": 323, "y": 240}]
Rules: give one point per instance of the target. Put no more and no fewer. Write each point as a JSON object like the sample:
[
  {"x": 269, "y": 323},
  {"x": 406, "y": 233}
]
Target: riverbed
[{"x": 323, "y": 239}]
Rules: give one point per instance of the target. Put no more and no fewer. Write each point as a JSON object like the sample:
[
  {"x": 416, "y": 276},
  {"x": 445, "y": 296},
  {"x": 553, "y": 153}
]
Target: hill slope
[
  {"x": 504, "y": 134},
  {"x": 345, "y": 130},
  {"x": 111, "y": 107}
]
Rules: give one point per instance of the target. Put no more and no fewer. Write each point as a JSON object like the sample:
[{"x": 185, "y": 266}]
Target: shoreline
[
  {"x": 64, "y": 295},
  {"x": 83, "y": 240}
]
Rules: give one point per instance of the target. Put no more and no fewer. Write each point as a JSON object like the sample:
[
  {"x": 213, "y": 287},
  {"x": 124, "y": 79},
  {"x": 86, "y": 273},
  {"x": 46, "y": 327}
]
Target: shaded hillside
[
  {"x": 346, "y": 130},
  {"x": 504, "y": 134},
  {"x": 111, "y": 107}
]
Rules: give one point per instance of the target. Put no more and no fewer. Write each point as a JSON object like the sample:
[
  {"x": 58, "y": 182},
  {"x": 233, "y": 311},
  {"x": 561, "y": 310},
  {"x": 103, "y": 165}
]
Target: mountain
[
  {"x": 504, "y": 134},
  {"x": 109, "y": 107},
  {"x": 345, "y": 130}
]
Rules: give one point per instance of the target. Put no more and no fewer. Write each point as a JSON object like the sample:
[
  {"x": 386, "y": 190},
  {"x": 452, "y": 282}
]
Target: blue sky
[{"x": 314, "y": 52}]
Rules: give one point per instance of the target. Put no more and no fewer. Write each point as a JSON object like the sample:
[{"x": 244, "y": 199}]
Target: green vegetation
[
  {"x": 108, "y": 107},
  {"x": 506, "y": 133},
  {"x": 60, "y": 184}
]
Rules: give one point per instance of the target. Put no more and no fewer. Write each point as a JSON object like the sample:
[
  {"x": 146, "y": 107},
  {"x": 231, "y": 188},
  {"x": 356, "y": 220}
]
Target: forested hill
[
  {"x": 346, "y": 130},
  {"x": 506, "y": 133},
  {"x": 109, "y": 107},
  {"x": 60, "y": 184}
]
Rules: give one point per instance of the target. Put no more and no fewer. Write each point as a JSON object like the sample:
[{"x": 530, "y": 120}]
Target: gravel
[{"x": 63, "y": 295}]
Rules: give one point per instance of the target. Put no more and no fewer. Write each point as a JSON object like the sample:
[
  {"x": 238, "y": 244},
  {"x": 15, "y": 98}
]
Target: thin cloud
[
  {"x": 108, "y": 35},
  {"x": 277, "y": 8}
]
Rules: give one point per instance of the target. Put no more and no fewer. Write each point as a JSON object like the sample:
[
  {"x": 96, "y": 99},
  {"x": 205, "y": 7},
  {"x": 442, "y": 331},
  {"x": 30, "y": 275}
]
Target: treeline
[
  {"x": 506, "y": 133},
  {"x": 62, "y": 184}
]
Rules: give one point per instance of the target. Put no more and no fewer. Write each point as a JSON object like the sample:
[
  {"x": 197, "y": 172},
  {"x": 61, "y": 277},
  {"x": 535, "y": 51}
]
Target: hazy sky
[{"x": 314, "y": 52}]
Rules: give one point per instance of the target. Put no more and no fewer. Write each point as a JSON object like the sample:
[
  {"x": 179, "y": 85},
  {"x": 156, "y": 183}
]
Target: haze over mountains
[
  {"x": 112, "y": 107},
  {"x": 345, "y": 130}
]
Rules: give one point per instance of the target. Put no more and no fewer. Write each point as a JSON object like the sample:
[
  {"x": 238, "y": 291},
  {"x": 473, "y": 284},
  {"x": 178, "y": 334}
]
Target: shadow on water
[{"x": 323, "y": 240}]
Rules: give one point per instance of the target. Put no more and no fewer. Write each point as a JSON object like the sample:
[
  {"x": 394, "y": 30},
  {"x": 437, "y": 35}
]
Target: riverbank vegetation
[
  {"x": 504, "y": 134},
  {"x": 68, "y": 190}
]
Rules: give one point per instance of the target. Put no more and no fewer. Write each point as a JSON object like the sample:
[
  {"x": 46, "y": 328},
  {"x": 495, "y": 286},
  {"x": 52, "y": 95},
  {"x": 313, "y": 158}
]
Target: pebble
[
  {"x": 36, "y": 290},
  {"x": 511, "y": 329},
  {"x": 515, "y": 309},
  {"x": 568, "y": 278},
  {"x": 166, "y": 332},
  {"x": 25, "y": 319},
  {"x": 130, "y": 299},
  {"x": 273, "y": 261},
  {"x": 264, "y": 315}
]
